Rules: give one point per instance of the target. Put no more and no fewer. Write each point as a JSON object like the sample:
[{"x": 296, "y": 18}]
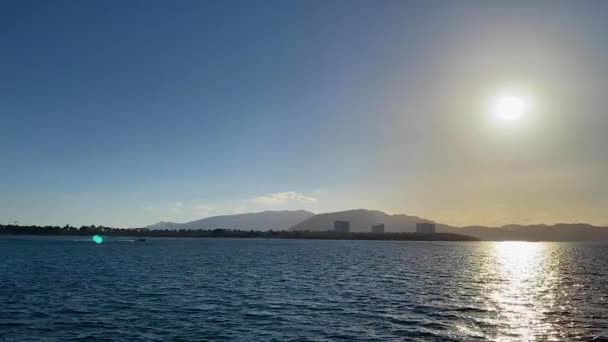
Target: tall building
[
  {"x": 342, "y": 226},
  {"x": 378, "y": 228},
  {"x": 426, "y": 228}
]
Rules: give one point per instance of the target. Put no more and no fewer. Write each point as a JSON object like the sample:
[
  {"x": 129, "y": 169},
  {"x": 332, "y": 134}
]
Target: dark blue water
[{"x": 295, "y": 290}]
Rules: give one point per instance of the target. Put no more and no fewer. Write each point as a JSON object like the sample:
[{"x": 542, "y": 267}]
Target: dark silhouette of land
[
  {"x": 227, "y": 233},
  {"x": 265, "y": 220},
  {"x": 361, "y": 221},
  {"x": 276, "y": 224}
]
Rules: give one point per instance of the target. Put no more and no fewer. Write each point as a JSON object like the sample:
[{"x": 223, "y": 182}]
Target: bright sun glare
[{"x": 510, "y": 107}]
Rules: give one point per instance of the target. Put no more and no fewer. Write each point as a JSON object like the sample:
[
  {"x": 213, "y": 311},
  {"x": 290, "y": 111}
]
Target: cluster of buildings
[
  {"x": 378, "y": 228},
  {"x": 344, "y": 227}
]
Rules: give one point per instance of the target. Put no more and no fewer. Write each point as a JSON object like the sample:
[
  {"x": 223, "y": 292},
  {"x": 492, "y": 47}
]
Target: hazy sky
[{"x": 125, "y": 113}]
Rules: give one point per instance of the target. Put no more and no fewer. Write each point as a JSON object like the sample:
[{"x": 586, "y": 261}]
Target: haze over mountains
[
  {"x": 541, "y": 232},
  {"x": 265, "y": 220},
  {"x": 362, "y": 219}
]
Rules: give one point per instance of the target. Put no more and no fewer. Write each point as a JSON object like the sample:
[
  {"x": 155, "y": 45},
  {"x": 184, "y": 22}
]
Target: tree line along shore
[{"x": 227, "y": 233}]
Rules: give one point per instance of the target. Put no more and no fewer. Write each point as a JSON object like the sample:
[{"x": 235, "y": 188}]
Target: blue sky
[{"x": 124, "y": 113}]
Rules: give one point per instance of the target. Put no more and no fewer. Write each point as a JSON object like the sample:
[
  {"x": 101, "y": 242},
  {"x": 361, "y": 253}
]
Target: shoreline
[{"x": 263, "y": 235}]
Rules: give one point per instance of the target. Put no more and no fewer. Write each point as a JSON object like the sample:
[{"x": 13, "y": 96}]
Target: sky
[{"x": 125, "y": 113}]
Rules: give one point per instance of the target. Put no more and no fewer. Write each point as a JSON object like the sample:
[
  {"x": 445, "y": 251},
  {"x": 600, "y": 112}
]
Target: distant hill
[
  {"x": 558, "y": 232},
  {"x": 361, "y": 220},
  {"x": 265, "y": 220}
]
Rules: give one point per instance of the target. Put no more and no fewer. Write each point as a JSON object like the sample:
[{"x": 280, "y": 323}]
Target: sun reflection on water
[{"x": 524, "y": 290}]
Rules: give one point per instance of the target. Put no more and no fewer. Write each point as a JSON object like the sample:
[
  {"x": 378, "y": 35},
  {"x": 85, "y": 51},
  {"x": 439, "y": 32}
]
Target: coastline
[{"x": 240, "y": 234}]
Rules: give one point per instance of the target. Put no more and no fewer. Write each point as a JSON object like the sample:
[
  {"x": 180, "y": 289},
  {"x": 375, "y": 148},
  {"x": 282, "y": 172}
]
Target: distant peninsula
[
  {"x": 228, "y": 233},
  {"x": 302, "y": 224},
  {"x": 361, "y": 221}
]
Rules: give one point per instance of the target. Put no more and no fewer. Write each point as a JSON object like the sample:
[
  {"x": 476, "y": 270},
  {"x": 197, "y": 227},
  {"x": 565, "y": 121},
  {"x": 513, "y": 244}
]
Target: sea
[{"x": 72, "y": 289}]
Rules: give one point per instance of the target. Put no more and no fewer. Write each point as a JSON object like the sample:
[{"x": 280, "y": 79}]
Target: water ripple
[{"x": 257, "y": 290}]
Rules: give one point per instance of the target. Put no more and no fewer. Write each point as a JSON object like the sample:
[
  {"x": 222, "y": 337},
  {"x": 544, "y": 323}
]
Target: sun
[{"x": 510, "y": 107}]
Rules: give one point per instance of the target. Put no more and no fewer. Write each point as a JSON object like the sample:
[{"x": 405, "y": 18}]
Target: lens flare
[{"x": 97, "y": 239}]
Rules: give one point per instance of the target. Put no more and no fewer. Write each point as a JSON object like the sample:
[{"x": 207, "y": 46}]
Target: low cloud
[
  {"x": 175, "y": 207},
  {"x": 178, "y": 211},
  {"x": 281, "y": 199}
]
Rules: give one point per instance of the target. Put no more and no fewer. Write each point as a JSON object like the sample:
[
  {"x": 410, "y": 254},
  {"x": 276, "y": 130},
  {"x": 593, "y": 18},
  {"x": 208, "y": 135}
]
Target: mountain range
[
  {"x": 362, "y": 219},
  {"x": 541, "y": 232},
  {"x": 265, "y": 220}
]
